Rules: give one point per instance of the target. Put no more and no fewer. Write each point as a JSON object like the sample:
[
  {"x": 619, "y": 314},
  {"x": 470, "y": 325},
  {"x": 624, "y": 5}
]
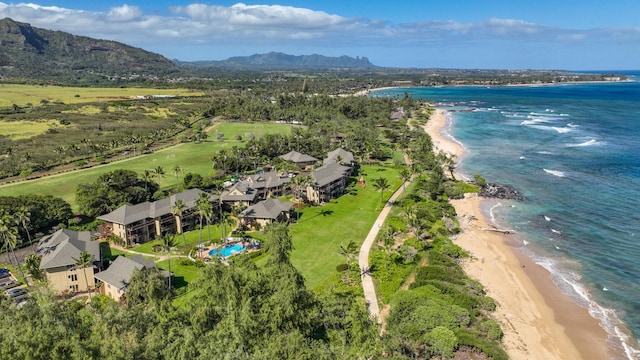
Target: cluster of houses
[{"x": 134, "y": 224}]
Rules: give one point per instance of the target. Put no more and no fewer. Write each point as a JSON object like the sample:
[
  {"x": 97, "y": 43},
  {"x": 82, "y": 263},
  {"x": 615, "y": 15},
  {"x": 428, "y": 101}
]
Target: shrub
[
  {"x": 492, "y": 330},
  {"x": 185, "y": 262},
  {"x": 493, "y": 350},
  {"x": 342, "y": 267},
  {"x": 25, "y": 173}
]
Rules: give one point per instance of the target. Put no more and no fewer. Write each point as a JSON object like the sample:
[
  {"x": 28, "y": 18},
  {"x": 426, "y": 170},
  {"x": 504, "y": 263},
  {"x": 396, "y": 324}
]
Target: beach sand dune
[{"x": 538, "y": 320}]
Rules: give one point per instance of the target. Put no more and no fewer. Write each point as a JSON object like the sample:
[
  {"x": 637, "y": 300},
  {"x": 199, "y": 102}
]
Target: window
[
  {"x": 73, "y": 287},
  {"x": 73, "y": 277}
]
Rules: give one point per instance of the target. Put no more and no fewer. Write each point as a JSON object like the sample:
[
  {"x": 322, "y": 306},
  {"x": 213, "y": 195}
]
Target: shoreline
[{"x": 538, "y": 320}]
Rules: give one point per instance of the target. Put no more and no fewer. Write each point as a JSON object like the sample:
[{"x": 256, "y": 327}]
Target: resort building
[
  {"x": 340, "y": 156},
  {"x": 329, "y": 181},
  {"x": 256, "y": 187},
  {"x": 139, "y": 223},
  {"x": 268, "y": 184},
  {"x": 301, "y": 160},
  {"x": 118, "y": 276},
  {"x": 239, "y": 194},
  {"x": 266, "y": 212},
  {"x": 59, "y": 253}
]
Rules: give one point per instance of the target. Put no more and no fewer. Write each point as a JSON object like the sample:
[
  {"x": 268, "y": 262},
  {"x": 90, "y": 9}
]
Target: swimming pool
[{"x": 227, "y": 250}]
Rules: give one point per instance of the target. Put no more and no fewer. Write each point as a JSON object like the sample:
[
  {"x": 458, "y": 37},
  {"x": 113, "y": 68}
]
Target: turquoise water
[
  {"x": 227, "y": 250},
  {"x": 574, "y": 151}
]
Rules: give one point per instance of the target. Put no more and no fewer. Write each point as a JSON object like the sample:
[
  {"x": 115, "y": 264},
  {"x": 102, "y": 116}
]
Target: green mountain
[
  {"x": 28, "y": 52},
  {"x": 277, "y": 60}
]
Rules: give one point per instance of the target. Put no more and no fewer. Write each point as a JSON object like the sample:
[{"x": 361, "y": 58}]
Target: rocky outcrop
[{"x": 499, "y": 191}]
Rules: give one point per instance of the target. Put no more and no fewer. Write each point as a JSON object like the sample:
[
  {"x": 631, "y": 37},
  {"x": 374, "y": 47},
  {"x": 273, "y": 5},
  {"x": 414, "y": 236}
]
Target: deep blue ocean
[{"x": 573, "y": 150}]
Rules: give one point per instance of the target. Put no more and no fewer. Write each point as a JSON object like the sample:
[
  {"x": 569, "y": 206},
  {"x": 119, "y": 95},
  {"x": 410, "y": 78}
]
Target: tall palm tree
[
  {"x": 158, "y": 172},
  {"x": 82, "y": 262},
  {"x": 177, "y": 210},
  {"x": 147, "y": 175},
  {"x": 168, "y": 241},
  {"x": 203, "y": 205},
  {"x": 405, "y": 175},
  {"x": 381, "y": 184},
  {"x": 9, "y": 236},
  {"x": 177, "y": 170},
  {"x": 23, "y": 216}
]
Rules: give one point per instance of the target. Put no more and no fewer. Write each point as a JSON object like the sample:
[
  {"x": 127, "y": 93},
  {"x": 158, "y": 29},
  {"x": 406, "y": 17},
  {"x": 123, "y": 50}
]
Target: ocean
[{"x": 573, "y": 150}]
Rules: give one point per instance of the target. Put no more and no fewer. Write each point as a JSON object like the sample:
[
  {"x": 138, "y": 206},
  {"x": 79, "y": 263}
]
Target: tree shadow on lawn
[{"x": 321, "y": 212}]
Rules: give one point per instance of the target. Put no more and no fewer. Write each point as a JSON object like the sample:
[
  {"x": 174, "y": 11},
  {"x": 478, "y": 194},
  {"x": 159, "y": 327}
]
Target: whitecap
[
  {"x": 555, "y": 172},
  {"x": 605, "y": 289},
  {"x": 547, "y": 218},
  {"x": 522, "y": 157},
  {"x": 556, "y": 231},
  {"x": 586, "y": 143},
  {"x": 562, "y": 130}
]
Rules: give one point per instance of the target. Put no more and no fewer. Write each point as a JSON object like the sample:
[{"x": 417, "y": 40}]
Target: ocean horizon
[{"x": 573, "y": 150}]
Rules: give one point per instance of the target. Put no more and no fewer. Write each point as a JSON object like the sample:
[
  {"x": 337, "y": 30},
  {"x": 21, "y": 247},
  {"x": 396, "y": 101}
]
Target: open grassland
[
  {"x": 191, "y": 157},
  {"x": 22, "y": 95},
  {"x": 17, "y": 130}
]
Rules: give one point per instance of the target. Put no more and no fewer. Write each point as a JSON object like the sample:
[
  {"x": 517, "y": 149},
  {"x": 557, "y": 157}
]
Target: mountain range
[
  {"x": 28, "y": 52},
  {"x": 278, "y": 60}
]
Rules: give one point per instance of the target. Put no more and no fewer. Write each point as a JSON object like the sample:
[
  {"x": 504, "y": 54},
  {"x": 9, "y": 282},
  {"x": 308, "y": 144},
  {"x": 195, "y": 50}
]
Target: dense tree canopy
[
  {"x": 112, "y": 190},
  {"x": 45, "y": 211}
]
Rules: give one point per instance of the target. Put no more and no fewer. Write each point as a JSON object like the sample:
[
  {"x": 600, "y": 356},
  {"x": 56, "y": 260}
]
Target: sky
[{"x": 462, "y": 34}]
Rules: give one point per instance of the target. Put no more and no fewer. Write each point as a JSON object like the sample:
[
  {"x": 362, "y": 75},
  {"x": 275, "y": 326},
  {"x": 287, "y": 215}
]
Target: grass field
[
  {"x": 321, "y": 230},
  {"x": 22, "y": 95},
  {"x": 25, "y": 129},
  {"x": 192, "y": 158}
]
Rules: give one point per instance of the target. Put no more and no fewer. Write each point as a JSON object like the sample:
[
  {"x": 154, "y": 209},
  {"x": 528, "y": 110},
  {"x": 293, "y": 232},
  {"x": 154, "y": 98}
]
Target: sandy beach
[{"x": 538, "y": 320}]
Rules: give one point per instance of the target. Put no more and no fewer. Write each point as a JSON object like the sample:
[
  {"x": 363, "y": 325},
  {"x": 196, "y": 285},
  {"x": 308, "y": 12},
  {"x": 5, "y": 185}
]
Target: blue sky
[{"x": 490, "y": 34}]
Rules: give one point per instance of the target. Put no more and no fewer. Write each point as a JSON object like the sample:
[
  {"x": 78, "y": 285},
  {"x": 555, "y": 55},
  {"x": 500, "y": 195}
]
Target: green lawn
[
  {"x": 321, "y": 230},
  {"x": 192, "y": 157},
  {"x": 34, "y": 94}
]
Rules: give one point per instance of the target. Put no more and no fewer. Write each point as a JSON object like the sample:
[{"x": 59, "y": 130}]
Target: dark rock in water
[{"x": 500, "y": 191}]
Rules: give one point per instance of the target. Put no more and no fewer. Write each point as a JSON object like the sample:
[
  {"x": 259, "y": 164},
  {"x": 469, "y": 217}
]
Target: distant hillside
[
  {"x": 277, "y": 60},
  {"x": 31, "y": 53}
]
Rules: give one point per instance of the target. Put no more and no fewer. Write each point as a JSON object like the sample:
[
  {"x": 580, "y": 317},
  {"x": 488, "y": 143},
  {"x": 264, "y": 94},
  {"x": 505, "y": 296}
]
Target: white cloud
[
  {"x": 124, "y": 13},
  {"x": 259, "y": 26}
]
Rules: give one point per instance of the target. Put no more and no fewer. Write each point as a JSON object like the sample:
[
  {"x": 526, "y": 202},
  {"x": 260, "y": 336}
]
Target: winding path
[{"x": 369, "y": 288}]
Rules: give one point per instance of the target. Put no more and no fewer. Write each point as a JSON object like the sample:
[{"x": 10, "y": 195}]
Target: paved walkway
[{"x": 363, "y": 259}]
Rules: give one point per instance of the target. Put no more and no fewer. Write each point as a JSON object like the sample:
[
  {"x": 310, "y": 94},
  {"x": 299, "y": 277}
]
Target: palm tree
[
  {"x": 177, "y": 170},
  {"x": 168, "y": 241},
  {"x": 9, "y": 235},
  {"x": 448, "y": 161},
  {"x": 349, "y": 251},
  {"x": 147, "y": 175},
  {"x": 23, "y": 216},
  {"x": 32, "y": 263},
  {"x": 381, "y": 184},
  {"x": 177, "y": 210},
  {"x": 405, "y": 175},
  {"x": 82, "y": 262},
  {"x": 158, "y": 172},
  {"x": 203, "y": 204}
]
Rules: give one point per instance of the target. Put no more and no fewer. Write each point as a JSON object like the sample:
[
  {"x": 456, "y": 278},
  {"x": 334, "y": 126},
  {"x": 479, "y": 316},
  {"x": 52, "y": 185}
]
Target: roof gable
[
  {"x": 345, "y": 157},
  {"x": 297, "y": 157},
  {"x": 267, "y": 209},
  {"x": 128, "y": 214},
  {"x": 120, "y": 272},
  {"x": 63, "y": 247},
  {"x": 329, "y": 173}
]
